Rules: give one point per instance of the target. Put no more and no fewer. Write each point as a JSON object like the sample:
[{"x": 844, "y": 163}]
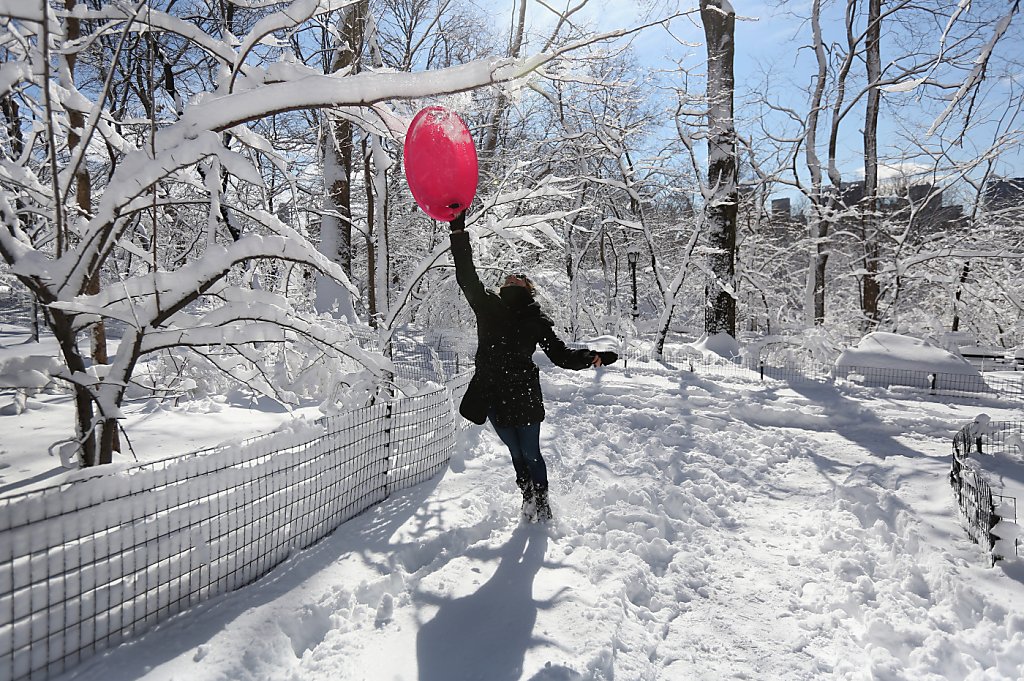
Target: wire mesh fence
[
  {"x": 416, "y": 361},
  {"x": 993, "y": 385},
  {"x": 980, "y": 508},
  {"x": 87, "y": 564},
  {"x": 971, "y": 491},
  {"x": 16, "y": 304},
  {"x": 935, "y": 383}
]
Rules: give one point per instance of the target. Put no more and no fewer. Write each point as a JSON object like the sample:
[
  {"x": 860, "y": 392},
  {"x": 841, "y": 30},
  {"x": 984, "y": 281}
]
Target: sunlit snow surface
[{"x": 707, "y": 528}]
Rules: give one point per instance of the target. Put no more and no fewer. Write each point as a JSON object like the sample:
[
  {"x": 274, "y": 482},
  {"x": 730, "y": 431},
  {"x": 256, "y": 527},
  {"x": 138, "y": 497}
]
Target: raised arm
[{"x": 465, "y": 270}]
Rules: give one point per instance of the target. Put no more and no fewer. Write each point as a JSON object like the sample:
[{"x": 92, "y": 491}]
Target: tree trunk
[
  {"x": 964, "y": 274},
  {"x": 819, "y": 225},
  {"x": 870, "y": 285},
  {"x": 371, "y": 251},
  {"x": 377, "y": 165},
  {"x": 336, "y": 223},
  {"x": 16, "y": 138},
  {"x": 721, "y": 198},
  {"x": 490, "y": 142},
  {"x": 85, "y": 433},
  {"x": 337, "y": 217},
  {"x": 83, "y": 198}
]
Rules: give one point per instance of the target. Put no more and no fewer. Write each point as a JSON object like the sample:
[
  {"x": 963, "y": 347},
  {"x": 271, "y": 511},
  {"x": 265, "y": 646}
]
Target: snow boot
[
  {"x": 543, "y": 509},
  {"x": 529, "y": 502}
]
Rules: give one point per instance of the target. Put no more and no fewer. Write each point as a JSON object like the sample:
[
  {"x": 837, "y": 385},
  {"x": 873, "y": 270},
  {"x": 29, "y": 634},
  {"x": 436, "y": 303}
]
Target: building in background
[{"x": 1003, "y": 199}]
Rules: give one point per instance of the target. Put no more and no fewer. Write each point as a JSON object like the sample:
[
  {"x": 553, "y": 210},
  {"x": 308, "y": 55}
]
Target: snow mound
[
  {"x": 882, "y": 350},
  {"x": 717, "y": 346},
  {"x": 28, "y": 372}
]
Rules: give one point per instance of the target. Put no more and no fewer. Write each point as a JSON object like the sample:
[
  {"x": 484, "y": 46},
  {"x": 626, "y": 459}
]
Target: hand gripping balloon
[{"x": 440, "y": 163}]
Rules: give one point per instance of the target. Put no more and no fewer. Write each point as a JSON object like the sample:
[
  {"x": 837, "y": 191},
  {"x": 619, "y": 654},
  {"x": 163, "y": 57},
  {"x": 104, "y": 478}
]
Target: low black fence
[
  {"x": 993, "y": 385},
  {"x": 980, "y": 509},
  {"x": 87, "y": 564}
]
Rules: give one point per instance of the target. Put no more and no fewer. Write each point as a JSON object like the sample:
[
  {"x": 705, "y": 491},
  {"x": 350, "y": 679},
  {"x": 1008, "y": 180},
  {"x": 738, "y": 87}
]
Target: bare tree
[
  {"x": 869, "y": 216},
  {"x": 721, "y": 197},
  {"x": 338, "y": 168}
]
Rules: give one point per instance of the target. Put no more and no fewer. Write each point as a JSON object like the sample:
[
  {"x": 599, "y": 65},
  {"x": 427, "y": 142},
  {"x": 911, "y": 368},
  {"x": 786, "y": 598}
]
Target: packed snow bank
[
  {"x": 31, "y": 372},
  {"x": 156, "y": 429},
  {"x": 882, "y": 350}
]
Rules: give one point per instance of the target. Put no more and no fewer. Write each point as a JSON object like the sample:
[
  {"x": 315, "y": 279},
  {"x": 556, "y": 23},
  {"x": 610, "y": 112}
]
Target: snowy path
[{"x": 707, "y": 530}]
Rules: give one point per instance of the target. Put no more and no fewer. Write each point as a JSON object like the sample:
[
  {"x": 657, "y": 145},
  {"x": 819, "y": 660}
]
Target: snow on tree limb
[
  {"x": 295, "y": 14},
  {"x": 264, "y": 97},
  {"x": 161, "y": 21},
  {"x": 173, "y": 288},
  {"x": 257, "y": 323},
  {"x": 315, "y": 91},
  {"x": 134, "y": 177},
  {"x": 977, "y": 74}
]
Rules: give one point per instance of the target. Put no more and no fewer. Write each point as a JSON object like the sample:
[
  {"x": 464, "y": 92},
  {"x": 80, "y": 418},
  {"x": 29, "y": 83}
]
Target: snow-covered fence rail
[
  {"x": 638, "y": 357},
  {"x": 980, "y": 508},
  {"x": 996, "y": 386},
  {"x": 89, "y": 563},
  {"x": 973, "y": 494},
  {"x": 1004, "y": 387}
]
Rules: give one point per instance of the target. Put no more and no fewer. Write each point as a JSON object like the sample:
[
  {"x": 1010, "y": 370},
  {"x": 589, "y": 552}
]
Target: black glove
[
  {"x": 607, "y": 358},
  {"x": 458, "y": 223}
]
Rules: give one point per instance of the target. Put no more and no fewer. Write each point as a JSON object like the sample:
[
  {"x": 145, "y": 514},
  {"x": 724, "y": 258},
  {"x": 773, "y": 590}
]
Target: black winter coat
[{"x": 508, "y": 332}]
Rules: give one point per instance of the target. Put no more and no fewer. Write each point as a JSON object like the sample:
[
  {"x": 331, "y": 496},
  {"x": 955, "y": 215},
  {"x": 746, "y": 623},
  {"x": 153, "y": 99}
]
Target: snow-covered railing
[
  {"x": 996, "y": 386},
  {"x": 990, "y": 519},
  {"x": 637, "y": 357},
  {"x": 89, "y": 563}
]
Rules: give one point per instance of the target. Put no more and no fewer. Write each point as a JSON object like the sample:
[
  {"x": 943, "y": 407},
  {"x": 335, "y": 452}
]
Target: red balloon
[{"x": 440, "y": 163}]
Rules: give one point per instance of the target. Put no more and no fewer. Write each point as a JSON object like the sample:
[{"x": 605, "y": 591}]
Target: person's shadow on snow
[{"x": 486, "y": 635}]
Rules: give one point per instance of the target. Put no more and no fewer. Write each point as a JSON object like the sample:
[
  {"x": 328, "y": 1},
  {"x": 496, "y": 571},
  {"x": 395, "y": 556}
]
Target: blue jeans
[{"x": 523, "y": 444}]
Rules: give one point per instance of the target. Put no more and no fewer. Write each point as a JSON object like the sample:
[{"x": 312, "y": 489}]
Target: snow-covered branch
[{"x": 981, "y": 62}]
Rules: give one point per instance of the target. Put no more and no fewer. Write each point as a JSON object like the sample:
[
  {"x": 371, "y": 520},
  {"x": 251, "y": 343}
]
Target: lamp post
[{"x": 632, "y": 256}]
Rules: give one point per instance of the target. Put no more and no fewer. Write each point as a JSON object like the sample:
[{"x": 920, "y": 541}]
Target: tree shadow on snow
[
  {"x": 859, "y": 482},
  {"x": 853, "y": 421},
  {"x": 24, "y": 484},
  {"x": 486, "y": 635},
  {"x": 557, "y": 672}
]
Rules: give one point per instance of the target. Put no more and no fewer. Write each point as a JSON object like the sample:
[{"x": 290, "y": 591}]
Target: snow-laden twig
[{"x": 977, "y": 74}]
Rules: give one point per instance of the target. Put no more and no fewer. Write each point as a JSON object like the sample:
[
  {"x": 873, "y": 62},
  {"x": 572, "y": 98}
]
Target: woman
[{"x": 506, "y": 385}]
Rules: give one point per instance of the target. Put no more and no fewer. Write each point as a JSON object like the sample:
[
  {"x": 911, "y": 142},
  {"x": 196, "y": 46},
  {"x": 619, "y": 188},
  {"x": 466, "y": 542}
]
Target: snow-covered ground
[
  {"x": 707, "y": 528},
  {"x": 156, "y": 428}
]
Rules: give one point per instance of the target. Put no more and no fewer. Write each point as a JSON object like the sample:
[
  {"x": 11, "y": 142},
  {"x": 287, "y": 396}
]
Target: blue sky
[{"x": 768, "y": 40}]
